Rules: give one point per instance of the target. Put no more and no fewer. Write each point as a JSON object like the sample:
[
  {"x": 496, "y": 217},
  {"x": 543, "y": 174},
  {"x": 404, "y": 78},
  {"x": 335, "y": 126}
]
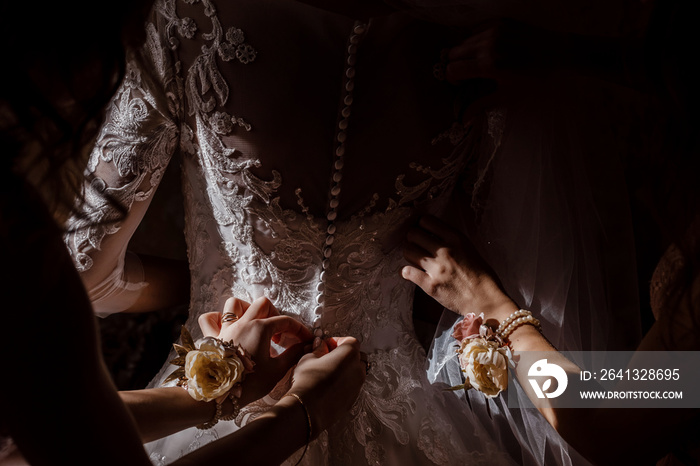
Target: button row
[{"x": 358, "y": 31}]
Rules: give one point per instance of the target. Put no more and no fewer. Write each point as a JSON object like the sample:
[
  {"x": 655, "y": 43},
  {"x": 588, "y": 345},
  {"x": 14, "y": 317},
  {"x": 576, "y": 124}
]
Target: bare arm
[
  {"x": 124, "y": 170},
  {"x": 285, "y": 424},
  {"x": 168, "y": 284},
  {"x": 52, "y": 350},
  {"x": 327, "y": 380},
  {"x": 446, "y": 266}
]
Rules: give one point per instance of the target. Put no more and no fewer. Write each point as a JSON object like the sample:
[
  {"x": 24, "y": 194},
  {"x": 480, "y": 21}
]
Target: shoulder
[{"x": 37, "y": 270}]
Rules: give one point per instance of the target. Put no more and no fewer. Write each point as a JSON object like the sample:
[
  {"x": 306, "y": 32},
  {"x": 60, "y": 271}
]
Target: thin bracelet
[{"x": 308, "y": 419}]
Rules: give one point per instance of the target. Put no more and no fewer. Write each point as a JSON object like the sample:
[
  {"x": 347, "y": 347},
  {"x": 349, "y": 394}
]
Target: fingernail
[{"x": 317, "y": 342}]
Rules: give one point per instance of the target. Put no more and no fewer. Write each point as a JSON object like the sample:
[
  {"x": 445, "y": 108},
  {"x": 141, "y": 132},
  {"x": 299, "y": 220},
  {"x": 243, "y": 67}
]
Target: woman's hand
[
  {"x": 329, "y": 380},
  {"x": 504, "y": 58},
  {"x": 255, "y": 326},
  {"x": 447, "y": 267},
  {"x": 505, "y": 50}
]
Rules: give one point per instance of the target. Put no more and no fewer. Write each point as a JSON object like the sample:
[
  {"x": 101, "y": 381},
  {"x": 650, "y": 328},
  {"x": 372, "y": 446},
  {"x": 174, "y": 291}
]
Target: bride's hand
[
  {"x": 255, "y": 326},
  {"x": 329, "y": 379},
  {"x": 508, "y": 57},
  {"x": 506, "y": 51},
  {"x": 447, "y": 267}
]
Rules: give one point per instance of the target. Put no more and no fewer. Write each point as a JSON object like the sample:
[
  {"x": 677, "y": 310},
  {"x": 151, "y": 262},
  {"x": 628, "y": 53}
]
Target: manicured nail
[{"x": 317, "y": 342}]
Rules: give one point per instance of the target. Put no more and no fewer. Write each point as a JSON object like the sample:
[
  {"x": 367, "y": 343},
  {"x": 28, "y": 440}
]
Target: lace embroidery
[
  {"x": 242, "y": 243},
  {"x": 285, "y": 263},
  {"x": 204, "y": 77},
  {"x": 138, "y": 142}
]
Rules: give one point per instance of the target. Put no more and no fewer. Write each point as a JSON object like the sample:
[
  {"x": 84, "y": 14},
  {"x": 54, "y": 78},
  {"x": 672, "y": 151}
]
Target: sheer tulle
[
  {"x": 551, "y": 217},
  {"x": 543, "y": 206}
]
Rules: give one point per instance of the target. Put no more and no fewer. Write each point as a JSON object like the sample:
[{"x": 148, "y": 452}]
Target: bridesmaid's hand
[
  {"x": 446, "y": 266},
  {"x": 329, "y": 379},
  {"x": 255, "y": 326}
]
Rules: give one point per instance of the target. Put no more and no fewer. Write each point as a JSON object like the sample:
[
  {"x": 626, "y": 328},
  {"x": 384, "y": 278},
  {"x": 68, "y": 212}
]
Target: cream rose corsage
[
  {"x": 483, "y": 356},
  {"x": 210, "y": 369}
]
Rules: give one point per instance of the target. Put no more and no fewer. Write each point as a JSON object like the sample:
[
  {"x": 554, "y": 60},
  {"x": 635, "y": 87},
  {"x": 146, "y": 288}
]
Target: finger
[
  {"x": 285, "y": 339},
  {"x": 233, "y": 307},
  {"x": 425, "y": 240},
  {"x": 417, "y": 276},
  {"x": 286, "y": 325},
  {"x": 210, "y": 323},
  {"x": 332, "y": 343},
  {"x": 259, "y": 309},
  {"x": 347, "y": 341},
  {"x": 289, "y": 357},
  {"x": 321, "y": 348},
  {"x": 417, "y": 256}
]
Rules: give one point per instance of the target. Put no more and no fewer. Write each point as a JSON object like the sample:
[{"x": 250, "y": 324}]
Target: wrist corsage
[
  {"x": 484, "y": 354},
  {"x": 211, "y": 370}
]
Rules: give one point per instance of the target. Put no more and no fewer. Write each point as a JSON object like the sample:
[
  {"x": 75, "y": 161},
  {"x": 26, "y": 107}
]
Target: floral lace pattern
[{"x": 243, "y": 243}]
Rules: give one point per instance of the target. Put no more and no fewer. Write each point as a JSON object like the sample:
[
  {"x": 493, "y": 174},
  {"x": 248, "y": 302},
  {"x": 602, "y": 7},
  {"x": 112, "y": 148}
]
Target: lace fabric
[{"x": 265, "y": 100}]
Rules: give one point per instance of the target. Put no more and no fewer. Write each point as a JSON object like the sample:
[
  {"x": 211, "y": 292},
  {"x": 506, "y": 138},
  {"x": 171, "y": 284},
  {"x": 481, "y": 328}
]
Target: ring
[{"x": 229, "y": 317}]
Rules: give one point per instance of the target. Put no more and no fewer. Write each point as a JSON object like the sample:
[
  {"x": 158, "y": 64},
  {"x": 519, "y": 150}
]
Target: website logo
[{"x": 542, "y": 369}]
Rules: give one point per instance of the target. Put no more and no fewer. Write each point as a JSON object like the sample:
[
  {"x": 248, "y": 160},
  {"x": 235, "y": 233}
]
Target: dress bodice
[
  {"x": 294, "y": 77},
  {"x": 302, "y": 167}
]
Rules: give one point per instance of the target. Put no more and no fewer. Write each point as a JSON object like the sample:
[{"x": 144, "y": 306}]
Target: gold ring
[{"x": 230, "y": 317}]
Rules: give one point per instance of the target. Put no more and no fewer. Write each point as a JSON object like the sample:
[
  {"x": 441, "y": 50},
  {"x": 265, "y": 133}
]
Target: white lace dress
[{"x": 310, "y": 142}]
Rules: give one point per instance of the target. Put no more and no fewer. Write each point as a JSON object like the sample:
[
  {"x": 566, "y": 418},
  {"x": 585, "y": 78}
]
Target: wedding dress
[{"x": 310, "y": 142}]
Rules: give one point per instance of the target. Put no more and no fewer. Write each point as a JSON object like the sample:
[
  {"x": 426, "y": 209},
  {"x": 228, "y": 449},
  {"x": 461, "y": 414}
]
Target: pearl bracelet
[
  {"x": 511, "y": 318},
  {"x": 517, "y": 319}
]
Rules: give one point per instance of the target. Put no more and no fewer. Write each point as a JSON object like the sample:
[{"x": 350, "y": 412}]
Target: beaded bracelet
[
  {"x": 218, "y": 413},
  {"x": 511, "y": 318},
  {"x": 517, "y": 319}
]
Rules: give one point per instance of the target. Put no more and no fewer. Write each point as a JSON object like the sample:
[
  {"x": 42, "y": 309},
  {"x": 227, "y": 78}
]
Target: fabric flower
[
  {"x": 245, "y": 53},
  {"x": 468, "y": 327},
  {"x": 227, "y": 52},
  {"x": 221, "y": 123},
  {"x": 210, "y": 374},
  {"x": 485, "y": 365},
  {"x": 235, "y": 36},
  {"x": 187, "y": 28}
]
